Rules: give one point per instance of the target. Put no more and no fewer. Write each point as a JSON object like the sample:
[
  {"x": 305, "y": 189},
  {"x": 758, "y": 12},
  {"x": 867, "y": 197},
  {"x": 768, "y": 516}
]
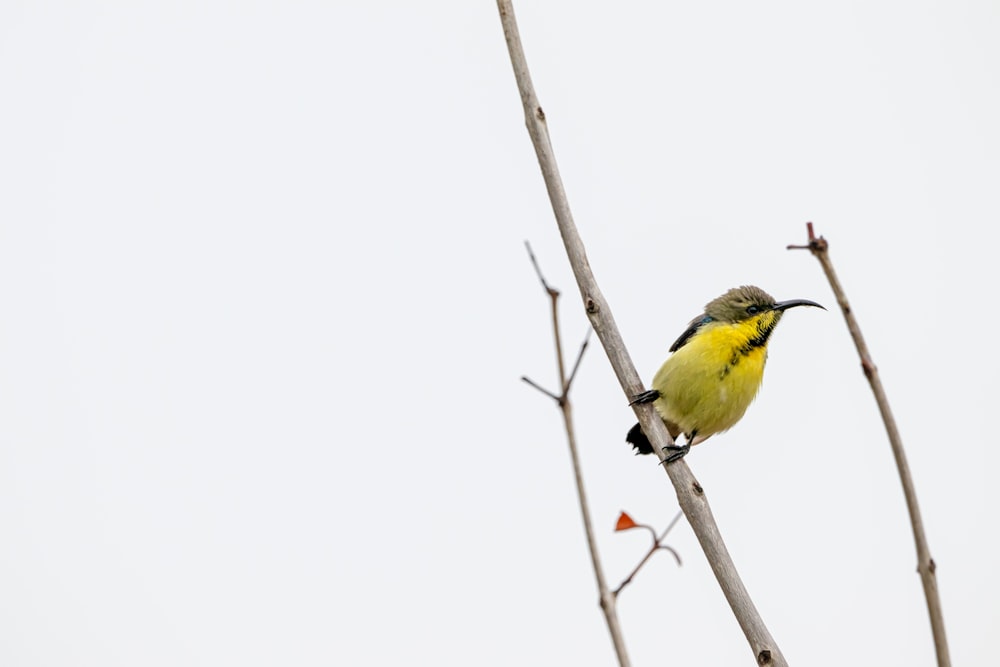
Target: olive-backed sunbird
[{"x": 715, "y": 368}]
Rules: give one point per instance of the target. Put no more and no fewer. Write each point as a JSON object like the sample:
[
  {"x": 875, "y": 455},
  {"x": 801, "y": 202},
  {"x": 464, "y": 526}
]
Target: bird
[{"x": 714, "y": 370}]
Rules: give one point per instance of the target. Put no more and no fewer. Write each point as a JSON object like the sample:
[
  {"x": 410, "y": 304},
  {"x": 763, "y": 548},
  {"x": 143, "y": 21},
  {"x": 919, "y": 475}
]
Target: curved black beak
[{"x": 792, "y": 303}]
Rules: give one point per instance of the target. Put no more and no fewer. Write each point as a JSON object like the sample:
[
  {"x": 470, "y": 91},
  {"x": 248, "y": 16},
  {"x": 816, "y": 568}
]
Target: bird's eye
[{"x": 753, "y": 310}]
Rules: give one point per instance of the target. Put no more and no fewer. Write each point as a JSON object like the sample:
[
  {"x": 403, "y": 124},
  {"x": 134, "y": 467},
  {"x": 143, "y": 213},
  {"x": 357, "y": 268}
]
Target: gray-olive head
[{"x": 742, "y": 303}]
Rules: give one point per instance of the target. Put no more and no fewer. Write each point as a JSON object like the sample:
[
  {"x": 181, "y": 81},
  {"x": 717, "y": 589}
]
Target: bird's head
[
  {"x": 748, "y": 302},
  {"x": 749, "y": 309}
]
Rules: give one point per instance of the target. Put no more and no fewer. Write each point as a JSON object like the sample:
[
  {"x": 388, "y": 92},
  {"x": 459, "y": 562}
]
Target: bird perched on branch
[{"x": 715, "y": 370}]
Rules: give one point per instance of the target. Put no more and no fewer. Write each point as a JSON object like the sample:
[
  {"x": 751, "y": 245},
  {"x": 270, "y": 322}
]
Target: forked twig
[
  {"x": 656, "y": 546},
  {"x": 607, "y": 599}
]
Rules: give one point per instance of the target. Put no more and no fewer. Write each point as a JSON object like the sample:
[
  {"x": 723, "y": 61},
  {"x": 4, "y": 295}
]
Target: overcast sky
[{"x": 264, "y": 307}]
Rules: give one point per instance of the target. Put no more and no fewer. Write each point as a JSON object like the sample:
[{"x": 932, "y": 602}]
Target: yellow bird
[{"x": 715, "y": 370}]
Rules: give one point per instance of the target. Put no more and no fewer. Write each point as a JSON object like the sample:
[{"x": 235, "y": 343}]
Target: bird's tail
[{"x": 638, "y": 440}]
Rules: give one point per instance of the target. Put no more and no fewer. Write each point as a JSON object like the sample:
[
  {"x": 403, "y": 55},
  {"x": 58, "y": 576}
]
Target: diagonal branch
[
  {"x": 925, "y": 564},
  {"x": 690, "y": 494},
  {"x": 576, "y": 364}
]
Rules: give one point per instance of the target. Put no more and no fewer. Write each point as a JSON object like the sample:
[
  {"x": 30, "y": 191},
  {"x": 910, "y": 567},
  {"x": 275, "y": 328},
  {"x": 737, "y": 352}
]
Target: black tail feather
[{"x": 638, "y": 440}]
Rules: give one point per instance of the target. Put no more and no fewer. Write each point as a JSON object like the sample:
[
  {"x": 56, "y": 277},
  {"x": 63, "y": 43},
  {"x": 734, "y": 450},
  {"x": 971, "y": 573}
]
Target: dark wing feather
[{"x": 696, "y": 324}]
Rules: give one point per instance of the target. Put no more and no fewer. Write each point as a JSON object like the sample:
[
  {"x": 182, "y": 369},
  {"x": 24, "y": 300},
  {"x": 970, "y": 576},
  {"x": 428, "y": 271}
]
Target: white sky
[{"x": 264, "y": 306}]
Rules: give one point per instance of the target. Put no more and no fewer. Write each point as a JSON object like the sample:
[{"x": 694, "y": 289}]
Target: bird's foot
[
  {"x": 645, "y": 397},
  {"x": 675, "y": 453}
]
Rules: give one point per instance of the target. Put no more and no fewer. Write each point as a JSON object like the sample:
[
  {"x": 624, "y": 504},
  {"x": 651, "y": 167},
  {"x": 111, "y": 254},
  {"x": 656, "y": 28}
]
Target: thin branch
[
  {"x": 690, "y": 494},
  {"x": 670, "y": 526},
  {"x": 576, "y": 364},
  {"x": 555, "y": 397},
  {"x": 657, "y": 545},
  {"x": 538, "y": 271},
  {"x": 925, "y": 564},
  {"x": 608, "y": 602}
]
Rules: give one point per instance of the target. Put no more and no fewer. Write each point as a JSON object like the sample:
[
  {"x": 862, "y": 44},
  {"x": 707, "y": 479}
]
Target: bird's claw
[
  {"x": 645, "y": 397},
  {"x": 676, "y": 453}
]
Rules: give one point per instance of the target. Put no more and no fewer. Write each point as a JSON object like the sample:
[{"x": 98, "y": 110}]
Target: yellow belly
[{"x": 707, "y": 384}]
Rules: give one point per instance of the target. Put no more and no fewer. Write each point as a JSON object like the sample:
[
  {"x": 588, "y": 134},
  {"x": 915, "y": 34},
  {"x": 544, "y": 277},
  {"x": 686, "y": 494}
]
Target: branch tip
[
  {"x": 529, "y": 381},
  {"x": 673, "y": 552},
  {"x": 815, "y": 244},
  {"x": 552, "y": 292},
  {"x": 576, "y": 364}
]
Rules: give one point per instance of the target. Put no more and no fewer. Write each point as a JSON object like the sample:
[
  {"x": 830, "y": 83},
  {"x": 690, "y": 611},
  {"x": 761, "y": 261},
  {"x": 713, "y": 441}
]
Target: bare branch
[
  {"x": 689, "y": 493},
  {"x": 925, "y": 564},
  {"x": 607, "y": 600}
]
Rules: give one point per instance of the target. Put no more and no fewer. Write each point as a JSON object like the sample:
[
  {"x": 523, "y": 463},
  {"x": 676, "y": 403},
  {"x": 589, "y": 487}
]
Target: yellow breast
[{"x": 708, "y": 383}]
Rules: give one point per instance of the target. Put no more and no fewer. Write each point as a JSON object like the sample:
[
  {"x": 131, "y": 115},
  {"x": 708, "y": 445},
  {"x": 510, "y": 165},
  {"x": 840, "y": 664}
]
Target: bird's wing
[{"x": 696, "y": 324}]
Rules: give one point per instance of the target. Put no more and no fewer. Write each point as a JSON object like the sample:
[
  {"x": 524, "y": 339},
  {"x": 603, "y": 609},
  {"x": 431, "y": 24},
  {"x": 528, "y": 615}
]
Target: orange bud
[{"x": 625, "y": 522}]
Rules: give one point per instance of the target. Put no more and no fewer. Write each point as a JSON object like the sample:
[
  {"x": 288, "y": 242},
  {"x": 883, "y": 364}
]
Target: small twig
[
  {"x": 538, "y": 271},
  {"x": 576, "y": 364},
  {"x": 554, "y": 299},
  {"x": 657, "y": 545},
  {"x": 670, "y": 526},
  {"x": 607, "y": 600},
  {"x": 555, "y": 397},
  {"x": 925, "y": 564}
]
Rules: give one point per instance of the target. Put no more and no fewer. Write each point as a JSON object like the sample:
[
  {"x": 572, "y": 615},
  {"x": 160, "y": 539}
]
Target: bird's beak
[{"x": 785, "y": 305}]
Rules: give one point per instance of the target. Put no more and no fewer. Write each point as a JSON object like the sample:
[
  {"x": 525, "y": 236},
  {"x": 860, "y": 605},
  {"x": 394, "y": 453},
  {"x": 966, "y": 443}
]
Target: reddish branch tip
[{"x": 815, "y": 244}]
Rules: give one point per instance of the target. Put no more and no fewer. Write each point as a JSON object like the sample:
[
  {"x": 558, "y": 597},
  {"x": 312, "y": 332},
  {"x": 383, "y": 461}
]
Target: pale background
[{"x": 264, "y": 306}]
